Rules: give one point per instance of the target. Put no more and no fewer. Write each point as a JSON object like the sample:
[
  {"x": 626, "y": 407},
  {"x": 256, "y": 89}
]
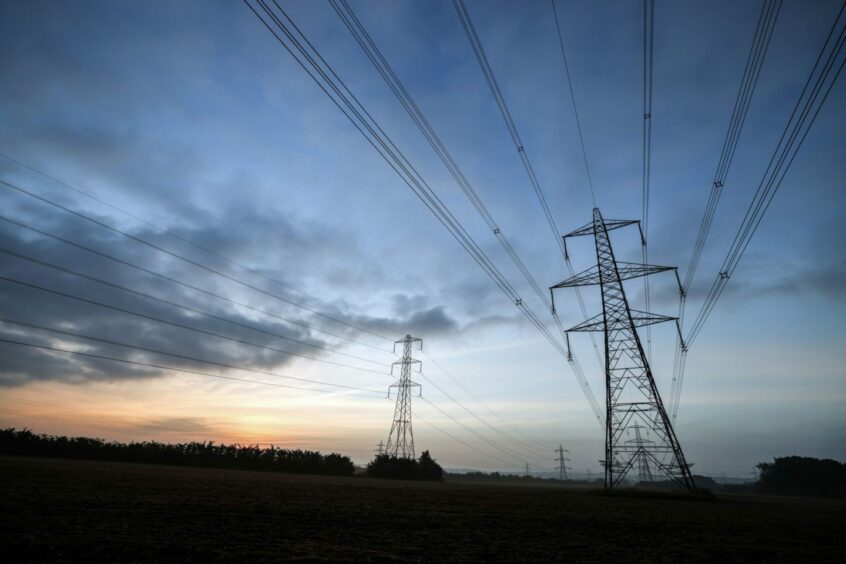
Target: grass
[
  {"x": 643, "y": 493},
  {"x": 64, "y": 510}
]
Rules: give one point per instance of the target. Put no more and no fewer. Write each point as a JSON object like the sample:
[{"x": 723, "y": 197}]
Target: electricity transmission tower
[
  {"x": 401, "y": 437},
  {"x": 380, "y": 448},
  {"x": 631, "y": 396},
  {"x": 562, "y": 463},
  {"x": 644, "y": 472}
]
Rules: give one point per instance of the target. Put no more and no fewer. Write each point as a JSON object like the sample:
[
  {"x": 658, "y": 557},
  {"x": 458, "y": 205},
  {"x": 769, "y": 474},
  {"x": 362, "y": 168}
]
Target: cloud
[
  {"x": 429, "y": 322},
  {"x": 33, "y": 306},
  {"x": 177, "y": 425},
  {"x": 273, "y": 336}
]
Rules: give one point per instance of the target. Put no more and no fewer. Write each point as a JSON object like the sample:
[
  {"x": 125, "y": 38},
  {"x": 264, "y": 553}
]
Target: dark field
[{"x": 71, "y": 510}]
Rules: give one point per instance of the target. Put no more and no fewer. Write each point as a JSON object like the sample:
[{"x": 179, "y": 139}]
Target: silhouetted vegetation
[
  {"x": 206, "y": 454},
  {"x": 393, "y": 467},
  {"x": 498, "y": 477},
  {"x": 797, "y": 475}
]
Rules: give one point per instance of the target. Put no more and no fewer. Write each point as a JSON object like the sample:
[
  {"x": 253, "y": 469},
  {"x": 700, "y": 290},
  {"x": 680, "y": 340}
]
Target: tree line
[
  {"x": 24, "y": 442},
  {"x": 798, "y": 475},
  {"x": 397, "y": 468}
]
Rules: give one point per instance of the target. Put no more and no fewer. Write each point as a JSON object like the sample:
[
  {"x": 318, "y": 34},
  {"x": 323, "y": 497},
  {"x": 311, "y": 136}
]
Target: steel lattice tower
[
  {"x": 401, "y": 437},
  {"x": 644, "y": 472},
  {"x": 562, "y": 462},
  {"x": 631, "y": 396}
]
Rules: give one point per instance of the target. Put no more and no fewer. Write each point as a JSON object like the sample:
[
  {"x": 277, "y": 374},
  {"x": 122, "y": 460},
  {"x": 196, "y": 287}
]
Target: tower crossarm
[
  {"x": 610, "y": 224},
  {"x": 409, "y": 383},
  {"x": 627, "y": 270},
  {"x": 598, "y": 322},
  {"x": 409, "y": 341},
  {"x": 407, "y": 362}
]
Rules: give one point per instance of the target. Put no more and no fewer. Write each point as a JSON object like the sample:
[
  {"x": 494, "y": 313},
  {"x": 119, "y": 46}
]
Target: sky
[{"x": 192, "y": 118}]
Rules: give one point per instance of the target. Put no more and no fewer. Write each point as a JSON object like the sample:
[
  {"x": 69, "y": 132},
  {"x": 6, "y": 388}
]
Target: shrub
[
  {"x": 429, "y": 469},
  {"x": 396, "y": 468},
  {"x": 797, "y": 475}
]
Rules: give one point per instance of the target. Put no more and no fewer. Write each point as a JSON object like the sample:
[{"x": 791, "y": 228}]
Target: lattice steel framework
[
  {"x": 632, "y": 398},
  {"x": 562, "y": 462},
  {"x": 644, "y": 472},
  {"x": 401, "y": 436}
]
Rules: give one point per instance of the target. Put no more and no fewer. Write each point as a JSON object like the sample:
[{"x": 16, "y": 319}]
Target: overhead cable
[{"x": 286, "y": 32}]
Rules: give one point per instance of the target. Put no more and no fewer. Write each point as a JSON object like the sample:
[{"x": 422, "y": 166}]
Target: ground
[{"x": 78, "y": 510}]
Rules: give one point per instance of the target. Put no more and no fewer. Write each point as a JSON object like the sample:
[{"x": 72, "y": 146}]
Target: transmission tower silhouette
[
  {"x": 562, "y": 463},
  {"x": 631, "y": 396},
  {"x": 401, "y": 436},
  {"x": 380, "y": 448},
  {"x": 644, "y": 472}
]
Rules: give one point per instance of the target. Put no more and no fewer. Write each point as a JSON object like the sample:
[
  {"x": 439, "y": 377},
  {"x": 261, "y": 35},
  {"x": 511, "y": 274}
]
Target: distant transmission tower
[
  {"x": 643, "y": 471},
  {"x": 631, "y": 396},
  {"x": 380, "y": 448},
  {"x": 562, "y": 463},
  {"x": 401, "y": 437}
]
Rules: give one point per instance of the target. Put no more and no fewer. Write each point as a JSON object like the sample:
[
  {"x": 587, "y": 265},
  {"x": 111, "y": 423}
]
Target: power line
[
  {"x": 179, "y": 237},
  {"x": 465, "y": 443},
  {"x": 791, "y": 140},
  {"x": 482, "y": 437},
  {"x": 488, "y": 441},
  {"x": 163, "y": 277},
  {"x": 186, "y": 259},
  {"x": 162, "y": 367},
  {"x": 648, "y": 56},
  {"x": 540, "y": 445},
  {"x": 648, "y": 51},
  {"x": 158, "y": 228},
  {"x": 484, "y": 64},
  {"x": 481, "y": 420},
  {"x": 182, "y": 306},
  {"x": 179, "y": 325},
  {"x": 362, "y": 120},
  {"x": 573, "y": 99},
  {"x": 378, "y": 60},
  {"x": 181, "y": 356},
  {"x": 754, "y": 63},
  {"x": 487, "y": 71},
  {"x": 307, "y": 56},
  {"x": 751, "y": 73},
  {"x": 777, "y": 169},
  {"x": 780, "y": 162}
]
